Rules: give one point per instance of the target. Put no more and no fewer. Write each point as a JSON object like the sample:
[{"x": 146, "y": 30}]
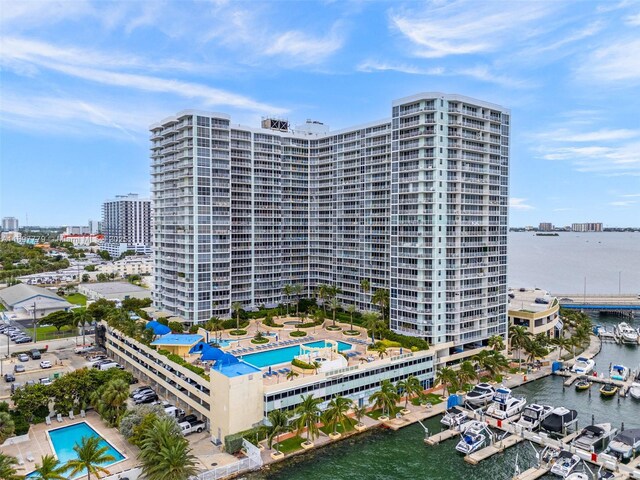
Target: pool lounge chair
[
  {"x": 29, "y": 457},
  {"x": 47, "y": 420},
  {"x": 83, "y": 414},
  {"x": 59, "y": 418},
  {"x": 71, "y": 415}
]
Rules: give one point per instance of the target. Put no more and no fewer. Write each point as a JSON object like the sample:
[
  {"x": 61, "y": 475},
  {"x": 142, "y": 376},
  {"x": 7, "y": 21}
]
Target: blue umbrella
[
  {"x": 227, "y": 359},
  {"x": 158, "y": 328},
  {"x": 199, "y": 347},
  {"x": 212, "y": 353}
]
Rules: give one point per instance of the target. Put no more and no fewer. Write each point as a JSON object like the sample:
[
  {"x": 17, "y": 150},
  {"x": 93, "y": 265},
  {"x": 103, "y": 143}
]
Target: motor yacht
[
  {"x": 453, "y": 417},
  {"x": 481, "y": 394},
  {"x": 560, "y": 420},
  {"x": 583, "y": 384},
  {"x": 594, "y": 437},
  {"x": 625, "y": 443},
  {"x": 506, "y": 405},
  {"x": 634, "y": 390},
  {"x": 619, "y": 372},
  {"x": 578, "y": 476},
  {"x": 533, "y": 415},
  {"x": 583, "y": 365},
  {"x": 608, "y": 390},
  {"x": 627, "y": 334},
  {"x": 473, "y": 437},
  {"x": 564, "y": 464}
]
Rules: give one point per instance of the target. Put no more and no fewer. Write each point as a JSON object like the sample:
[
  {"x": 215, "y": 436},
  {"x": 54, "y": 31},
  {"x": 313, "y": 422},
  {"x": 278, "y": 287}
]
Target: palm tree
[
  {"x": 359, "y": 413},
  {"x": 335, "y": 305},
  {"x": 80, "y": 318},
  {"x": 381, "y": 299},
  {"x": 534, "y": 350},
  {"x": 308, "y": 412},
  {"x": 575, "y": 341},
  {"x": 371, "y": 321},
  {"x": 467, "y": 372},
  {"x": 49, "y": 469},
  {"x": 336, "y": 413},
  {"x": 297, "y": 290},
  {"x": 410, "y": 386},
  {"x": 563, "y": 344},
  {"x": 291, "y": 375},
  {"x": 365, "y": 286},
  {"x": 382, "y": 351},
  {"x": 518, "y": 336},
  {"x": 237, "y": 308},
  {"x": 114, "y": 398},
  {"x": 7, "y": 467},
  {"x": 448, "y": 378},
  {"x": 279, "y": 424},
  {"x": 288, "y": 291},
  {"x": 386, "y": 398},
  {"x": 496, "y": 343},
  {"x": 7, "y": 426},
  {"x": 90, "y": 456},
  {"x": 173, "y": 460},
  {"x": 322, "y": 291},
  {"x": 351, "y": 308}
]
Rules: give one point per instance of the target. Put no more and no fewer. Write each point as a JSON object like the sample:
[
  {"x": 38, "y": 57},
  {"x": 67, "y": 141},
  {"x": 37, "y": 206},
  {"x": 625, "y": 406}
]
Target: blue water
[
  {"x": 284, "y": 355},
  {"x": 65, "y": 438}
]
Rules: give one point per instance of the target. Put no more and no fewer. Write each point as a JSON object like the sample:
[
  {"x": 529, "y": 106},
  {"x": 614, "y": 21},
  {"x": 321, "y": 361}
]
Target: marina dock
[
  {"x": 441, "y": 437},
  {"x": 532, "y": 474},
  {"x": 622, "y": 386},
  {"x": 497, "y": 447}
]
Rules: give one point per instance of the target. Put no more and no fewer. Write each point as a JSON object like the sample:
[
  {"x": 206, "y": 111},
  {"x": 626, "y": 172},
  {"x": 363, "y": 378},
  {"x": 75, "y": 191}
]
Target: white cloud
[
  {"x": 519, "y": 204},
  {"x": 633, "y": 20},
  {"x": 440, "y": 29},
  {"x": 305, "y": 49},
  {"x": 615, "y": 63},
  {"x": 604, "y": 135},
  {"x": 623, "y": 203}
]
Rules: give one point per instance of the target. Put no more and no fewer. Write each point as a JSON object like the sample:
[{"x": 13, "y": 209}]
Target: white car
[{"x": 45, "y": 364}]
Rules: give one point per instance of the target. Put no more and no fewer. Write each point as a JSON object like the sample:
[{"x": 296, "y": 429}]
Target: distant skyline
[{"x": 82, "y": 81}]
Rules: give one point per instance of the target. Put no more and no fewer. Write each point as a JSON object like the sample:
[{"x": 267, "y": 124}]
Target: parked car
[
  {"x": 148, "y": 398},
  {"x": 9, "y": 377},
  {"x": 18, "y": 368},
  {"x": 45, "y": 364},
  {"x": 23, "y": 357},
  {"x": 543, "y": 301},
  {"x": 24, "y": 340},
  {"x": 97, "y": 358},
  {"x": 191, "y": 418},
  {"x": 46, "y": 381},
  {"x": 143, "y": 393},
  {"x": 29, "y": 383},
  {"x": 139, "y": 390},
  {"x": 174, "y": 411},
  {"x": 35, "y": 354},
  {"x": 187, "y": 428},
  {"x": 108, "y": 365}
]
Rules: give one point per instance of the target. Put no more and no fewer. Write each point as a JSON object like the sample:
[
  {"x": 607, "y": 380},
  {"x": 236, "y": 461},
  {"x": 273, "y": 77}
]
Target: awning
[
  {"x": 148, "y": 309},
  {"x": 559, "y": 325},
  {"x": 161, "y": 314},
  {"x": 176, "y": 319}
]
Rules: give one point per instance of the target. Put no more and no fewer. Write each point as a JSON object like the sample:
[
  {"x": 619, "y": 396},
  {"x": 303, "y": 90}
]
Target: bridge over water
[{"x": 620, "y": 304}]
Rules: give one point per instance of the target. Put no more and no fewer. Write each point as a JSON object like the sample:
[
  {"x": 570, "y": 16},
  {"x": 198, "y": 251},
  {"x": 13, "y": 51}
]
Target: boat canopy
[{"x": 629, "y": 437}]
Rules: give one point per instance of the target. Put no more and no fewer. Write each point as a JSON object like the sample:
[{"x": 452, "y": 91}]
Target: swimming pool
[
  {"x": 284, "y": 355},
  {"x": 64, "y": 439}
]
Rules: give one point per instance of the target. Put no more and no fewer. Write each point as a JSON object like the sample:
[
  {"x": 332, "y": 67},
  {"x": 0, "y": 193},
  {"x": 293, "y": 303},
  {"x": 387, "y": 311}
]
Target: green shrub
[
  {"x": 387, "y": 343},
  {"x": 233, "y": 443},
  {"x": 304, "y": 365},
  {"x": 231, "y": 323},
  {"x": 237, "y": 333},
  {"x": 4, "y": 407},
  {"x": 298, "y": 334},
  {"x": 405, "y": 341},
  {"x": 21, "y": 423}
]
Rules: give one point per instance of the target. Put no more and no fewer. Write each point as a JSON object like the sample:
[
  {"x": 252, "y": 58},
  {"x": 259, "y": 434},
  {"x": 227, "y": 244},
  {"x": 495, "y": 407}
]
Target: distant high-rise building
[
  {"x": 126, "y": 224},
  {"x": 586, "y": 227},
  {"x": 9, "y": 224},
  {"x": 545, "y": 227},
  {"x": 95, "y": 227},
  {"x": 415, "y": 204}
]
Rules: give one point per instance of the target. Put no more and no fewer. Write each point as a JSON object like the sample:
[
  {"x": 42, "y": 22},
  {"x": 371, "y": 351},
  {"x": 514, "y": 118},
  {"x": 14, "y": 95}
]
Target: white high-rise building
[
  {"x": 9, "y": 224},
  {"x": 416, "y": 204},
  {"x": 126, "y": 224}
]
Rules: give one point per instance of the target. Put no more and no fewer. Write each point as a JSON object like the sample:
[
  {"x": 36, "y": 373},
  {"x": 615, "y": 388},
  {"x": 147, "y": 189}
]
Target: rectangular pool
[
  {"x": 285, "y": 355},
  {"x": 64, "y": 439}
]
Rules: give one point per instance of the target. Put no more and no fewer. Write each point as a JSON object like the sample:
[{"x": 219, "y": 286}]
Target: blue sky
[{"x": 81, "y": 81}]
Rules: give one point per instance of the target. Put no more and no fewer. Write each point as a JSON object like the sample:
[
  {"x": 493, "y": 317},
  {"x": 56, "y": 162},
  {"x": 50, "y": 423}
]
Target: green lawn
[
  {"x": 77, "y": 299},
  {"x": 2, "y": 309},
  {"x": 50, "y": 332},
  {"x": 431, "y": 398},
  {"x": 376, "y": 414},
  {"x": 340, "y": 428},
  {"x": 290, "y": 444}
]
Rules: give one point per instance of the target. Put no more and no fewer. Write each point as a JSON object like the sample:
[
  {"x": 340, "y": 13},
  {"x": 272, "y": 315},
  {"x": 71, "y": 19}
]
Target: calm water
[
  {"x": 560, "y": 264},
  {"x": 383, "y": 454}
]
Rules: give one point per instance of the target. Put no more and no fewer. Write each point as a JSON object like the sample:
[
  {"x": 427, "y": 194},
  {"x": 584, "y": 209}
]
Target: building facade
[
  {"x": 586, "y": 227},
  {"x": 126, "y": 224},
  {"x": 9, "y": 224},
  {"x": 536, "y": 310},
  {"x": 416, "y": 204}
]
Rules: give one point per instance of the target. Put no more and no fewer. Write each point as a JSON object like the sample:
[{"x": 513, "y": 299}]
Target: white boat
[
  {"x": 619, "y": 372},
  {"x": 578, "y": 476},
  {"x": 533, "y": 415},
  {"x": 472, "y": 438},
  {"x": 481, "y": 394},
  {"x": 594, "y": 437},
  {"x": 634, "y": 390},
  {"x": 627, "y": 334},
  {"x": 454, "y": 416},
  {"x": 560, "y": 420},
  {"x": 564, "y": 464},
  {"x": 505, "y": 405},
  {"x": 625, "y": 443},
  {"x": 583, "y": 365}
]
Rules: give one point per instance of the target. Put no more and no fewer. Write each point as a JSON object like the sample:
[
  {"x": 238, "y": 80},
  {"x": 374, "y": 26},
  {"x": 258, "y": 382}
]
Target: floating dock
[
  {"x": 499, "y": 446},
  {"x": 441, "y": 437},
  {"x": 532, "y": 474}
]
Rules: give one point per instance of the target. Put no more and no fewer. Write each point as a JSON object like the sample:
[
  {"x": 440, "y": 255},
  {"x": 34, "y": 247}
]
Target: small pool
[
  {"x": 65, "y": 438},
  {"x": 286, "y": 354},
  {"x": 292, "y": 322}
]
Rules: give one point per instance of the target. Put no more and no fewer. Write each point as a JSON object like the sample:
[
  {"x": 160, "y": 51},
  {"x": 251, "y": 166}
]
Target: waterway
[
  {"x": 609, "y": 261},
  {"x": 384, "y": 454}
]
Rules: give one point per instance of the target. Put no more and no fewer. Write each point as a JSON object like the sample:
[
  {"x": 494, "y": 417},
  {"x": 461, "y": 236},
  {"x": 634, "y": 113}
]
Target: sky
[{"x": 81, "y": 81}]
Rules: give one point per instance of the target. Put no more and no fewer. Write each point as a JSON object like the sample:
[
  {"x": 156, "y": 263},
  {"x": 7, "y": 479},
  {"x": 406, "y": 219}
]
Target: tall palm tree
[
  {"x": 365, "y": 286},
  {"x": 359, "y": 413},
  {"x": 381, "y": 299},
  {"x": 336, "y": 413},
  {"x": 90, "y": 457},
  {"x": 49, "y": 469},
  {"x": 518, "y": 337},
  {"x": 80, "y": 318},
  {"x": 7, "y": 467},
  {"x": 534, "y": 350},
  {"x": 386, "y": 398},
  {"x": 335, "y": 305},
  {"x": 279, "y": 424},
  {"x": 382, "y": 351},
  {"x": 575, "y": 341},
  {"x": 288, "y": 291},
  {"x": 351, "y": 308},
  {"x": 114, "y": 398},
  {"x": 447, "y": 376},
  {"x": 322, "y": 291},
  {"x": 173, "y": 460},
  {"x": 308, "y": 412},
  {"x": 411, "y": 387},
  {"x": 371, "y": 321},
  {"x": 467, "y": 372},
  {"x": 562, "y": 343},
  {"x": 237, "y": 308},
  {"x": 496, "y": 343},
  {"x": 297, "y": 291}
]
